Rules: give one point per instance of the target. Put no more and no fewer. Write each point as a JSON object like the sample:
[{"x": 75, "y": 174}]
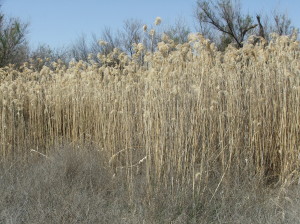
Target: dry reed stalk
[{"x": 193, "y": 112}]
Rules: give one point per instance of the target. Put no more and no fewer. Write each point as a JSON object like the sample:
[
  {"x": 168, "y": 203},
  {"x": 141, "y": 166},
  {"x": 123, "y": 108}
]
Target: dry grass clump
[
  {"x": 180, "y": 117},
  {"x": 70, "y": 186},
  {"x": 76, "y": 185}
]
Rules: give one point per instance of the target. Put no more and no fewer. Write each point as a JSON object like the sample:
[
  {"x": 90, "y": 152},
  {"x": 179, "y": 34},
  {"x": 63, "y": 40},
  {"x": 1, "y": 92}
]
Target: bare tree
[
  {"x": 80, "y": 49},
  {"x": 45, "y": 55},
  {"x": 261, "y": 32},
  {"x": 226, "y": 17},
  {"x": 179, "y": 31},
  {"x": 85, "y": 50},
  {"x": 111, "y": 41},
  {"x": 282, "y": 24},
  {"x": 130, "y": 35},
  {"x": 205, "y": 28},
  {"x": 278, "y": 23}
]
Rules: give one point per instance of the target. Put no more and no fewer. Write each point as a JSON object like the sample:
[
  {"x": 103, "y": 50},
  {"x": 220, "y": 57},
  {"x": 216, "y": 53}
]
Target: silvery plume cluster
[{"x": 180, "y": 110}]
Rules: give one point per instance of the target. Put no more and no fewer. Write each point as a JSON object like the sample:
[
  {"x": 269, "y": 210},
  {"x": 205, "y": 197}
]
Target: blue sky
[{"x": 60, "y": 22}]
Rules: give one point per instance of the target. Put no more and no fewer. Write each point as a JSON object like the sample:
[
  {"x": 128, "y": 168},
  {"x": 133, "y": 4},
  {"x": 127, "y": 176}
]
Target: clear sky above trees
[{"x": 59, "y": 22}]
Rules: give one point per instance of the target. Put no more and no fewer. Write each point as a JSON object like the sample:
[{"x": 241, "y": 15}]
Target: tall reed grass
[{"x": 180, "y": 115}]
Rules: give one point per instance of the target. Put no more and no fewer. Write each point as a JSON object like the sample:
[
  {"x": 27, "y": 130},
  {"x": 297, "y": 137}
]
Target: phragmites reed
[
  {"x": 157, "y": 21},
  {"x": 145, "y": 28},
  {"x": 187, "y": 113}
]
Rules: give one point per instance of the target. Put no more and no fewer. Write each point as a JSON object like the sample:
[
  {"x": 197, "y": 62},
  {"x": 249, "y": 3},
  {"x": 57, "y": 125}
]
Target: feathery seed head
[
  {"x": 145, "y": 28},
  {"x": 90, "y": 56},
  {"x": 157, "y": 21},
  {"x": 152, "y": 32},
  {"x": 163, "y": 48},
  {"x": 165, "y": 37},
  {"x": 102, "y": 43},
  {"x": 140, "y": 47},
  {"x": 192, "y": 37}
]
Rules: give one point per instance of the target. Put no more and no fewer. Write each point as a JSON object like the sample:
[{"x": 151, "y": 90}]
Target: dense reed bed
[{"x": 179, "y": 117}]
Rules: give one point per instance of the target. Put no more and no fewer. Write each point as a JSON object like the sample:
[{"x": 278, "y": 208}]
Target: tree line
[{"x": 221, "y": 21}]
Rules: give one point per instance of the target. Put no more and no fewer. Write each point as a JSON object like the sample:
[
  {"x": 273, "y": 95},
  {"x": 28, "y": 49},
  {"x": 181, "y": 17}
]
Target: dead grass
[{"x": 78, "y": 186}]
